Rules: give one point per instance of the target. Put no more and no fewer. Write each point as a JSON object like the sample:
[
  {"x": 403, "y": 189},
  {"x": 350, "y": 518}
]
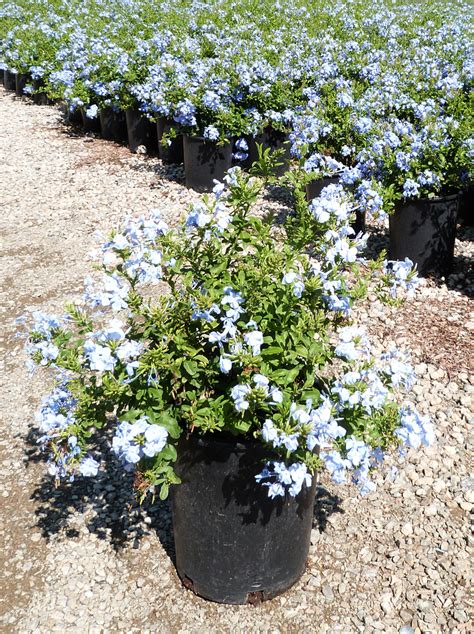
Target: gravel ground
[{"x": 85, "y": 559}]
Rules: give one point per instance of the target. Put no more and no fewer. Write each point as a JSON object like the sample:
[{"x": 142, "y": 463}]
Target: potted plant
[
  {"x": 206, "y": 123},
  {"x": 170, "y": 141},
  {"x": 327, "y": 138},
  {"x": 233, "y": 387},
  {"x": 422, "y": 176}
]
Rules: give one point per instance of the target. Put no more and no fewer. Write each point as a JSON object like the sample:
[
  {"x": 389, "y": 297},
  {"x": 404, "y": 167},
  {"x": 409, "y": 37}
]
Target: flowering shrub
[{"x": 222, "y": 326}]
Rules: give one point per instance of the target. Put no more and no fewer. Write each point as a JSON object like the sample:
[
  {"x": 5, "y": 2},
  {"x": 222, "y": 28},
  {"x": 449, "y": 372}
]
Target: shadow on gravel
[
  {"x": 108, "y": 508},
  {"x": 172, "y": 173},
  {"x": 461, "y": 279},
  {"x": 465, "y": 233},
  {"x": 325, "y": 505},
  {"x": 107, "y": 504},
  {"x": 376, "y": 243}
]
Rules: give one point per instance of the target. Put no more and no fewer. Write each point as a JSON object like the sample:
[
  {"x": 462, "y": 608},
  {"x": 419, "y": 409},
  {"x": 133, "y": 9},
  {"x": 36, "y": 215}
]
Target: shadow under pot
[
  {"x": 171, "y": 151},
  {"x": 314, "y": 189},
  {"x": 9, "y": 80},
  {"x": 113, "y": 125},
  {"x": 424, "y": 230},
  {"x": 90, "y": 124},
  {"x": 21, "y": 79},
  {"x": 274, "y": 140},
  {"x": 205, "y": 161},
  {"x": 233, "y": 543},
  {"x": 140, "y": 131}
]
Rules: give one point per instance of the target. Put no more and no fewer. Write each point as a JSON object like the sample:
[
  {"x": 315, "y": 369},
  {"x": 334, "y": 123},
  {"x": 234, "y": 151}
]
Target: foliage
[{"x": 227, "y": 324}]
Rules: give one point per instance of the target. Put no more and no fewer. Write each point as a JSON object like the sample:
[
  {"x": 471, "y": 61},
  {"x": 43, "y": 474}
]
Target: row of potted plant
[
  {"x": 376, "y": 97},
  {"x": 204, "y": 160}
]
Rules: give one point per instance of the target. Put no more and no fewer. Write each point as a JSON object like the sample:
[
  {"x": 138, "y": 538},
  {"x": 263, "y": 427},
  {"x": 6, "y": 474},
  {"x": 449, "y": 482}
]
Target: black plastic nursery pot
[
  {"x": 233, "y": 543},
  {"x": 9, "y": 80},
  {"x": 171, "y": 152},
  {"x": 113, "y": 125},
  {"x": 205, "y": 161},
  {"x": 140, "y": 131},
  {"x": 21, "y": 79},
  {"x": 466, "y": 207},
  {"x": 424, "y": 231},
  {"x": 314, "y": 189},
  {"x": 273, "y": 139},
  {"x": 74, "y": 116},
  {"x": 40, "y": 98},
  {"x": 90, "y": 124},
  {"x": 316, "y": 186}
]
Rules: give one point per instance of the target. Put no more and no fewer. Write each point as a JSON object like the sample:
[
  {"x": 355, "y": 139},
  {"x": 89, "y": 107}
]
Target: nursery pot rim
[
  {"x": 426, "y": 199},
  {"x": 239, "y": 443},
  {"x": 201, "y": 139}
]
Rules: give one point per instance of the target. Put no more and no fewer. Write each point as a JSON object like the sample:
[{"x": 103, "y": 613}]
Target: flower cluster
[
  {"x": 56, "y": 421},
  {"x": 134, "y": 441}
]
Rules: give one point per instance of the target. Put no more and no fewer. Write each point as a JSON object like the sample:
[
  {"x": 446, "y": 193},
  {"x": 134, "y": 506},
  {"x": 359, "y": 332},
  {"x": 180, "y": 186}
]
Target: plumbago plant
[{"x": 223, "y": 326}]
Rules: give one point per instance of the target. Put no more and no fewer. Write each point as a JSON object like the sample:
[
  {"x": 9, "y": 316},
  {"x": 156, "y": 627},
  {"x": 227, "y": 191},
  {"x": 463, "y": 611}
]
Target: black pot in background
[
  {"x": 314, "y": 189},
  {"x": 274, "y": 140},
  {"x": 171, "y": 153},
  {"x": 316, "y": 186},
  {"x": 140, "y": 131},
  {"x": 90, "y": 124},
  {"x": 233, "y": 543},
  {"x": 424, "y": 231},
  {"x": 113, "y": 125},
  {"x": 2, "y": 76},
  {"x": 9, "y": 80},
  {"x": 39, "y": 97},
  {"x": 205, "y": 161},
  {"x": 74, "y": 116},
  {"x": 466, "y": 207},
  {"x": 21, "y": 80}
]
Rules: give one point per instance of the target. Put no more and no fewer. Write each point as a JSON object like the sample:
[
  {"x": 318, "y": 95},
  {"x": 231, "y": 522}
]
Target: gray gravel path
[{"x": 84, "y": 559}]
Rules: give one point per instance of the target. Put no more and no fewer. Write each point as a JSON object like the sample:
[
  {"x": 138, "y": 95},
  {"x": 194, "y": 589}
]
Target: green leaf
[
  {"x": 166, "y": 420},
  {"x": 191, "y": 367},
  {"x": 131, "y": 415}
]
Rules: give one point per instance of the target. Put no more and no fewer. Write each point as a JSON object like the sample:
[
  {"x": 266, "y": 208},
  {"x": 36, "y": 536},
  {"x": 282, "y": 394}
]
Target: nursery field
[
  {"x": 236, "y": 293},
  {"x": 77, "y": 560}
]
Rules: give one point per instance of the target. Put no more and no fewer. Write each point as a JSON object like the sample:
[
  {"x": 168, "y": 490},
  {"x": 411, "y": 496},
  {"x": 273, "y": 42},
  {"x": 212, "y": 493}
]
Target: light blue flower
[
  {"x": 411, "y": 189},
  {"x": 211, "y": 133},
  {"x": 156, "y": 438},
  {"x": 336, "y": 465},
  {"x": 415, "y": 430},
  {"x": 239, "y": 394},
  {"x": 92, "y": 112},
  {"x": 269, "y": 432},
  {"x": 89, "y": 467},
  {"x": 225, "y": 364},
  {"x": 296, "y": 280},
  {"x": 199, "y": 216},
  {"x": 48, "y": 351},
  {"x": 357, "y": 451},
  {"x": 100, "y": 357},
  {"x": 254, "y": 339}
]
